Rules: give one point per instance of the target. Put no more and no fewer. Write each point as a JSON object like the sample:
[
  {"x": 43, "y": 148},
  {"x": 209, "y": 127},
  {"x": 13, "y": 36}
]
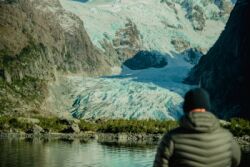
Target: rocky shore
[{"x": 118, "y": 138}]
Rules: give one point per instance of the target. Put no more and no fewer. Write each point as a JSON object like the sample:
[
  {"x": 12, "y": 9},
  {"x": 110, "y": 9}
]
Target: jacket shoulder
[
  {"x": 225, "y": 131},
  {"x": 173, "y": 132}
]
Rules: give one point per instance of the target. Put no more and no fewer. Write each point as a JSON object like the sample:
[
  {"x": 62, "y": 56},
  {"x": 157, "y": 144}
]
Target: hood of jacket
[{"x": 200, "y": 122}]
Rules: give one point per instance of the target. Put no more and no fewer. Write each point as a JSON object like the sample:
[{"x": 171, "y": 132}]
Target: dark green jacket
[{"x": 198, "y": 142}]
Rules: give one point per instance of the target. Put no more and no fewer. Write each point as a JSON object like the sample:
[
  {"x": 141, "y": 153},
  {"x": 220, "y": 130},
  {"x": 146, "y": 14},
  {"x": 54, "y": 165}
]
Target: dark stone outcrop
[
  {"x": 224, "y": 70},
  {"x": 74, "y": 128},
  {"x": 180, "y": 44},
  {"x": 146, "y": 59},
  {"x": 192, "y": 55},
  {"x": 36, "y": 129}
]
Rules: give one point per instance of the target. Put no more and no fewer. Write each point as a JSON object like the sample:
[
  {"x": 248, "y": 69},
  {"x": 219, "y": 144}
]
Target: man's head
[{"x": 196, "y": 100}]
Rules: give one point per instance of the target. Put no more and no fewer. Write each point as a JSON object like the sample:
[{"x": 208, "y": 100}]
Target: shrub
[
  {"x": 136, "y": 126},
  {"x": 3, "y": 121},
  {"x": 52, "y": 124},
  {"x": 7, "y": 123},
  {"x": 238, "y": 126},
  {"x": 87, "y": 126},
  {"x": 15, "y": 123}
]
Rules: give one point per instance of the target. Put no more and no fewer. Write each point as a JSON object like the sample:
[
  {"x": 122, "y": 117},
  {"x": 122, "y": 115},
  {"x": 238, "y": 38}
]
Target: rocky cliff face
[
  {"x": 224, "y": 70},
  {"x": 39, "y": 39},
  {"x": 126, "y": 43}
]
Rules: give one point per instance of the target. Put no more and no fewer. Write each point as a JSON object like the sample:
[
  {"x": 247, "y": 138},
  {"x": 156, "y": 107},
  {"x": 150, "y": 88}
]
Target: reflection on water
[{"x": 38, "y": 153}]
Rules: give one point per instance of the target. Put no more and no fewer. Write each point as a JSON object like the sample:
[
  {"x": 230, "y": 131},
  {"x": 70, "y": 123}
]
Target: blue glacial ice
[{"x": 152, "y": 93}]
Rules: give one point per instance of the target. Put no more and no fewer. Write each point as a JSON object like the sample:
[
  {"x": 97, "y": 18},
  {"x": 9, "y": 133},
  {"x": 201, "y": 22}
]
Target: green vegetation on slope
[
  {"x": 21, "y": 93},
  {"x": 22, "y": 85},
  {"x": 7, "y": 123}
]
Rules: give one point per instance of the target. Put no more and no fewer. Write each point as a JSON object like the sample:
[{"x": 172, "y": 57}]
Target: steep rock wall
[{"x": 224, "y": 70}]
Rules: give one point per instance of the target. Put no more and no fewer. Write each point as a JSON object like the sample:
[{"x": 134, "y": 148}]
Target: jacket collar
[{"x": 200, "y": 121}]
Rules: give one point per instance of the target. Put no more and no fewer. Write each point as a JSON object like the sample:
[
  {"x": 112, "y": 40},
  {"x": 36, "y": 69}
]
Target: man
[{"x": 199, "y": 141}]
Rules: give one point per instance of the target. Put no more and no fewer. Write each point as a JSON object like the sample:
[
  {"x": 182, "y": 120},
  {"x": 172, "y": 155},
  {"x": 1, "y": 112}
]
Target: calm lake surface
[
  {"x": 58, "y": 153},
  {"x": 38, "y": 153}
]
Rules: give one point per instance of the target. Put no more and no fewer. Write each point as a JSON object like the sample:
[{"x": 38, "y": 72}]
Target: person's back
[{"x": 199, "y": 141}]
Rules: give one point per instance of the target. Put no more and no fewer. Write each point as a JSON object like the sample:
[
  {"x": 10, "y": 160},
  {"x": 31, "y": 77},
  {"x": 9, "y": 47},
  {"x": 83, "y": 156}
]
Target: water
[
  {"x": 38, "y": 153},
  {"x": 57, "y": 153},
  {"x": 83, "y": 1}
]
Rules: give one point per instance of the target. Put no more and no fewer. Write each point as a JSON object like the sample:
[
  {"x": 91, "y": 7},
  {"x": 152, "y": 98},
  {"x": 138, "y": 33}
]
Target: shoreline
[
  {"x": 122, "y": 138},
  {"x": 147, "y": 132},
  {"x": 116, "y": 138}
]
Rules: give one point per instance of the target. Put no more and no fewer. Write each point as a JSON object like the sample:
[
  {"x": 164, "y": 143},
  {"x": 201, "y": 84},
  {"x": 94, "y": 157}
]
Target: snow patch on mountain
[{"x": 157, "y": 22}]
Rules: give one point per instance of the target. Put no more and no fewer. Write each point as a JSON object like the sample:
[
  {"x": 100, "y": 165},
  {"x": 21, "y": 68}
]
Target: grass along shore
[
  {"x": 58, "y": 125},
  {"x": 106, "y": 130},
  {"x": 239, "y": 127}
]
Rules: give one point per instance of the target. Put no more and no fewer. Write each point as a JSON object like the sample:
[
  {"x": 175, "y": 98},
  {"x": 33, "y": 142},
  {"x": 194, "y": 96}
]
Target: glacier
[{"x": 152, "y": 93}]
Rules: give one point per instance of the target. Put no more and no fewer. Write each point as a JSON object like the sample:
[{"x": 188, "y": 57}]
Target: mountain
[
  {"x": 124, "y": 27},
  {"x": 50, "y": 61},
  {"x": 224, "y": 70},
  {"x": 39, "y": 41}
]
